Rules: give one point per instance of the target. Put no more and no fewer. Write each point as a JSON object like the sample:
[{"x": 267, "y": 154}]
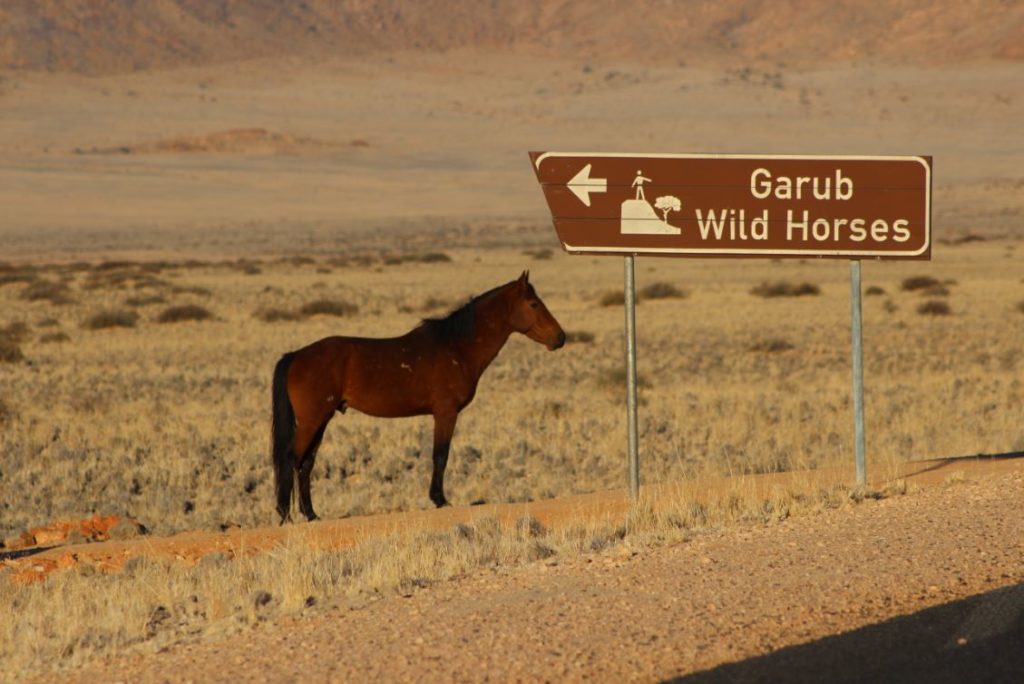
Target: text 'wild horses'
[{"x": 432, "y": 369}]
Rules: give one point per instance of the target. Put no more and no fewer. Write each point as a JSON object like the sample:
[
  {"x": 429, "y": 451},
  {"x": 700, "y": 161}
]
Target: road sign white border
[{"x": 767, "y": 252}]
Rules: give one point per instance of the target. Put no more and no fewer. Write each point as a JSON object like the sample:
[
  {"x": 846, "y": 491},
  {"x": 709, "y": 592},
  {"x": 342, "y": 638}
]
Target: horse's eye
[{"x": 534, "y": 305}]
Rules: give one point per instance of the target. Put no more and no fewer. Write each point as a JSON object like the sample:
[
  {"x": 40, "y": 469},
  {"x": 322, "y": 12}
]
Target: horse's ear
[{"x": 524, "y": 279}]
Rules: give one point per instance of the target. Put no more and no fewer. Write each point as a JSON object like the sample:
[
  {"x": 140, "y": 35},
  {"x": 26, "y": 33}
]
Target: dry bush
[
  {"x": 15, "y": 331},
  {"x": 111, "y": 318},
  {"x": 432, "y": 258},
  {"x": 538, "y": 254},
  {"x": 146, "y": 300},
  {"x": 662, "y": 291},
  {"x": 784, "y": 288},
  {"x": 10, "y": 352},
  {"x": 1020, "y": 306},
  {"x": 51, "y": 337},
  {"x": 273, "y": 315},
  {"x": 18, "y": 276},
  {"x": 934, "y": 307},
  {"x": 615, "y": 378},
  {"x": 613, "y": 298},
  {"x": 54, "y": 292},
  {"x": 579, "y": 337},
  {"x": 772, "y": 345},
  {"x": 184, "y": 312},
  {"x": 328, "y": 307},
  {"x": 919, "y": 283},
  {"x": 47, "y": 323},
  {"x": 433, "y": 304},
  {"x": 874, "y": 291}
]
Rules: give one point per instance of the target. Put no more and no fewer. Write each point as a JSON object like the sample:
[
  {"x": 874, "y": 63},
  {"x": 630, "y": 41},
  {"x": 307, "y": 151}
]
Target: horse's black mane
[{"x": 459, "y": 323}]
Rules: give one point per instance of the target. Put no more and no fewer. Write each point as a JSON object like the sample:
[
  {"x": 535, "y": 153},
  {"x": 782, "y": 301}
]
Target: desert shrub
[
  {"x": 272, "y": 315},
  {"x": 1020, "y": 306},
  {"x": 579, "y": 337},
  {"x": 784, "y": 288},
  {"x": 661, "y": 291},
  {"x": 54, "y": 292},
  {"x": 918, "y": 283},
  {"x": 772, "y": 345},
  {"x": 10, "y": 352},
  {"x": 15, "y": 331},
  {"x": 328, "y": 307},
  {"x": 615, "y": 378},
  {"x": 51, "y": 337},
  {"x": 111, "y": 318},
  {"x": 47, "y": 323},
  {"x": 874, "y": 291},
  {"x": 146, "y": 300},
  {"x": 934, "y": 307},
  {"x": 184, "y": 312},
  {"x": 433, "y": 258},
  {"x": 613, "y": 298},
  {"x": 433, "y": 303},
  {"x": 937, "y": 290},
  {"x": 22, "y": 276}
]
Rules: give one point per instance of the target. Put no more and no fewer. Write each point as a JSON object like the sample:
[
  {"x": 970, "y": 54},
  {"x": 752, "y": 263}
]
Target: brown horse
[{"x": 432, "y": 369}]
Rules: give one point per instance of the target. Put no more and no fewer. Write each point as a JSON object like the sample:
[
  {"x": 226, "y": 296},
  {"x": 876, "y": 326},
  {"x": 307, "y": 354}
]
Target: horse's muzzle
[{"x": 560, "y": 343}]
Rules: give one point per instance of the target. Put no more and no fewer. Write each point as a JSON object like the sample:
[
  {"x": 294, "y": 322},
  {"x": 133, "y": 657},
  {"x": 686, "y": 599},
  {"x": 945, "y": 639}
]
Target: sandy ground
[
  {"x": 168, "y": 160},
  {"x": 923, "y": 587}
]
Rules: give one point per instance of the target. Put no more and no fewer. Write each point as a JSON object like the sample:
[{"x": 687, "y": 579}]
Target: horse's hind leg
[
  {"x": 444, "y": 428},
  {"x": 304, "y": 469}
]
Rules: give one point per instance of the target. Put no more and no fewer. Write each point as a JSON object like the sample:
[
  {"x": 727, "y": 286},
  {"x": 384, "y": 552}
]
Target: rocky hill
[{"x": 102, "y": 36}]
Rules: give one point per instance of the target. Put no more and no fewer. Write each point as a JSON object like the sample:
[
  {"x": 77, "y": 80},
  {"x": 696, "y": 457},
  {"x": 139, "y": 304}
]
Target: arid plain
[{"x": 167, "y": 233}]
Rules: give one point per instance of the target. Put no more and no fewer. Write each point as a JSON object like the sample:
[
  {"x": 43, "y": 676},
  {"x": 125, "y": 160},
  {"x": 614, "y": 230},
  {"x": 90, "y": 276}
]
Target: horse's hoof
[{"x": 311, "y": 517}]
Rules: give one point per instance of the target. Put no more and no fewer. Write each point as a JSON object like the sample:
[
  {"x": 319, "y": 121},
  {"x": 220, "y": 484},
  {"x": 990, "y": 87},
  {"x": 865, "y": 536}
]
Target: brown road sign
[{"x": 848, "y": 207}]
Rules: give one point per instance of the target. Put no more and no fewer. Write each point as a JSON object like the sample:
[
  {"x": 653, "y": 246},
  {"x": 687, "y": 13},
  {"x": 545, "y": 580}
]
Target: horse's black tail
[{"x": 283, "y": 435}]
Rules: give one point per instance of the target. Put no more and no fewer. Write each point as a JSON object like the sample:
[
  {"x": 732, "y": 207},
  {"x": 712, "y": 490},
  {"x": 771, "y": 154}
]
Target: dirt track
[{"x": 770, "y": 600}]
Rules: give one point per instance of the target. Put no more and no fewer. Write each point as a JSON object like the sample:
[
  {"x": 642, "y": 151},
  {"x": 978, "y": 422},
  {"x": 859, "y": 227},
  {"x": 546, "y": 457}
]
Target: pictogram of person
[{"x": 638, "y": 183}]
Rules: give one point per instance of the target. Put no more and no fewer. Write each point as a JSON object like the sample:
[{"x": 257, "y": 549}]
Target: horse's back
[{"x": 385, "y": 377}]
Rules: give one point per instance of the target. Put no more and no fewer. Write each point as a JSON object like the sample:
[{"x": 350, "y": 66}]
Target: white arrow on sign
[{"x": 582, "y": 185}]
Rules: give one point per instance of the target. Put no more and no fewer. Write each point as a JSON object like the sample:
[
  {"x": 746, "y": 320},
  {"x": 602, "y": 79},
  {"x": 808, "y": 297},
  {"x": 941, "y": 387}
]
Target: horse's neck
[{"x": 492, "y": 330}]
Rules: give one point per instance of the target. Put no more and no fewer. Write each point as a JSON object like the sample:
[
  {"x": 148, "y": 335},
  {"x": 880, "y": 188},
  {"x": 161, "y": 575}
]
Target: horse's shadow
[{"x": 22, "y": 553}]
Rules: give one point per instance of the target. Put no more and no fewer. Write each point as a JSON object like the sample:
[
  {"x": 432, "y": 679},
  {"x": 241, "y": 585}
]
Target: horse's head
[{"x": 530, "y": 317}]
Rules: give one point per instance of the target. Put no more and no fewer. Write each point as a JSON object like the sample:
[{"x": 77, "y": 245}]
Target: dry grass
[
  {"x": 613, "y": 298},
  {"x": 192, "y": 408},
  {"x": 188, "y": 446},
  {"x": 81, "y": 614}
]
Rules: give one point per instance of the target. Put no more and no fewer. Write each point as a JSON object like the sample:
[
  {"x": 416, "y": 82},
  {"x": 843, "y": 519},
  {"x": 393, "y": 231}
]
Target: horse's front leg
[{"x": 444, "y": 428}]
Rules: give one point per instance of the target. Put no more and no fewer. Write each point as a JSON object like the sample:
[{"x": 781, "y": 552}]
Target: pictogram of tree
[{"x": 666, "y": 204}]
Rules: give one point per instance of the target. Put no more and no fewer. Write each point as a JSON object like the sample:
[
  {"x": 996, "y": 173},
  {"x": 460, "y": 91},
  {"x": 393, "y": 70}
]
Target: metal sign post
[
  {"x": 858, "y": 372},
  {"x": 629, "y": 289}
]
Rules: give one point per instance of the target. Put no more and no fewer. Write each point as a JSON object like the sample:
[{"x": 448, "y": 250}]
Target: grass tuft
[
  {"x": 934, "y": 307},
  {"x": 918, "y": 283},
  {"x": 111, "y": 318},
  {"x": 328, "y": 307},
  {"x": 274, "y": 315},
  {"x": 662, "y": 291},
  {"x": 184, "y": 312},
  {"x": 613, "y": 298},
  {"x": 772, "y": 345},
  {"x": 579, "y": 337}
]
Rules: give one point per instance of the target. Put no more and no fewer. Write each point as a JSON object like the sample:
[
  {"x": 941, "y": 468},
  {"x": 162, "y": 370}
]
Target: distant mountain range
[{"x": 103, "y": 36}]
